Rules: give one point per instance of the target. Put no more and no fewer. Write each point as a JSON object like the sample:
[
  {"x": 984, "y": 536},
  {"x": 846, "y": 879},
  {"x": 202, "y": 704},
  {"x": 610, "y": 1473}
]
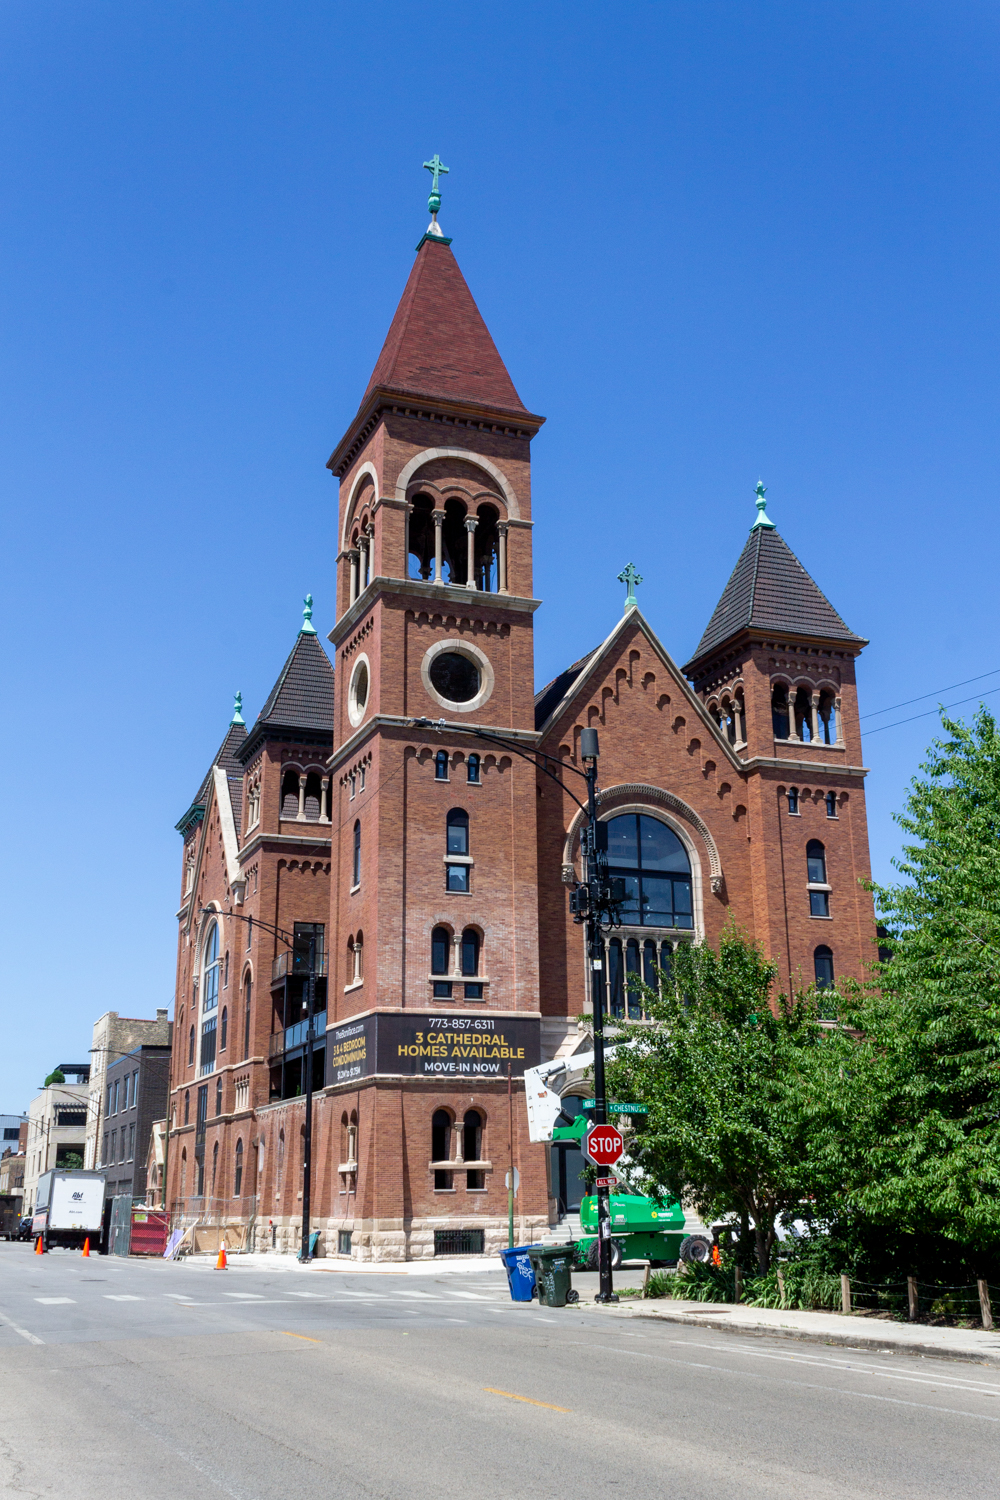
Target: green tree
[
  {"x": 738, "y": 1086},
  {"x": 925, "y": 1087}
]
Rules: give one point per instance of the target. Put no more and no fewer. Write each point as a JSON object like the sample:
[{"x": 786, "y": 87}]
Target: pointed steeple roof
[
  {"x": 769, "y": 590},
  {"x": 301, "y": 700},
  {"x": 438, "y": 344},
  {"x": 227, "y": 758}
]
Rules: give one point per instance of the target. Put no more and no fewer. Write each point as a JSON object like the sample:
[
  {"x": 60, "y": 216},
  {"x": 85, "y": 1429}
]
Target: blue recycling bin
[{"x": 520, "y": 1275}]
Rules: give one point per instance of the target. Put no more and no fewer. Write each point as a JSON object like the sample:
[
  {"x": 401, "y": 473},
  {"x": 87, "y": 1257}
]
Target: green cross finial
[
  {"x": 630, "y": 576},
  {"x": 238, "y": 710},
  {"x": 308, "y": 628},
  {"x": 762, "y": 518},
  {"x": 435, "y": 166}
]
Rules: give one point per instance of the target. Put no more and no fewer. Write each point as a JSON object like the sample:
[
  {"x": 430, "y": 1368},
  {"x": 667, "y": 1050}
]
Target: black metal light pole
[
  {"x": 596, "y": 901},
  {"x": 289, "y": 942}
]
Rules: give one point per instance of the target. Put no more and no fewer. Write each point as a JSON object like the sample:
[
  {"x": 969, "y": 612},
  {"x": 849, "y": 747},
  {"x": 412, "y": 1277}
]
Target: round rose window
[{"x": 454, "y": 676}]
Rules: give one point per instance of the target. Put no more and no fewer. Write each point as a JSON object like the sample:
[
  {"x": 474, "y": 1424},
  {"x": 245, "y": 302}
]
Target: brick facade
[{"x": 439, "y": 880}]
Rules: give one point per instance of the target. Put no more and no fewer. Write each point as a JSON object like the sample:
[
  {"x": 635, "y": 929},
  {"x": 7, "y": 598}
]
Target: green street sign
[{"x": 619, "y": 1109}]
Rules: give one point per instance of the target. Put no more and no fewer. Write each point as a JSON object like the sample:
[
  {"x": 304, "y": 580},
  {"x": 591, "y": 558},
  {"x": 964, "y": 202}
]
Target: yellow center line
[
  {"x": 301, "y": 1336},
  {"x": 492, "y": 1391}
]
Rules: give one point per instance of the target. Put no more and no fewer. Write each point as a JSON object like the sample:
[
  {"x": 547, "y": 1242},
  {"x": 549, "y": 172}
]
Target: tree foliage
[
  {"x": 925, "y": 1088},
  {"x": 737, "y": 1089}
]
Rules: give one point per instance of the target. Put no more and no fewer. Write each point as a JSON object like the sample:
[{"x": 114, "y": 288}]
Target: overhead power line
[
  {"x": 874, "y": 714},
  {"x": 976, "y": 698}
]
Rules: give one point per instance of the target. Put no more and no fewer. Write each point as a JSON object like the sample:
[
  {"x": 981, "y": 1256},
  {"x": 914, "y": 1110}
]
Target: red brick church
[{"x": 431, "y": 868}]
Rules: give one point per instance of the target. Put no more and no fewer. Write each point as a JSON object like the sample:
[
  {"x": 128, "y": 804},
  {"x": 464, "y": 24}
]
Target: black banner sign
[{"x": 437, "y": 1046}]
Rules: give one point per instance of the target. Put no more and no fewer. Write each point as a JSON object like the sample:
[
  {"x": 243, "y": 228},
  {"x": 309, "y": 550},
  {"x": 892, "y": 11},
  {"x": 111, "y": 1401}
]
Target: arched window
[
  {"x": 441, "y": 1147},
  {"x": 616, "y": 978},
  {"x": 421, "y": 537},
  {"x": 356, "y": 866},
  {"x": 779, "y": 711},
  {"x": 831, "y": 804},
  {"x": 223, "y": 1028},
  {"x": 474, "y": 764},
  {"x": 828, "y": 727},
  {"x": 184, "y": 1171},
  {"x": 281, "y": 1163},
  {"x": 210, "y": 969},
  {"x": 218, "y": 1095},
  {"x": 352, "y": 1139},
  {"x": 225, "y": 972},
  {"x": 655, "y": 867},
  {"x": 819, "y": 900},
  {"x": 290, "y": 795},
  {"x": 632, "y": 971},
  {"x": 247, "y": 992},
  {"x": 457, "y": 848},
  {"x": 215, "y": 1167},
  {"x": 314, "y": 797},
  {"x": 191, "y": 1047},
  {"x": 187, "y": 1106},
  {"x": 472, "y": 1147},
  {"x": 802, "y": 715},
  {"x": 823, "y": 967},
  {"x": 470, "y": 962},
  {"x": 238, "y": 1170},
  {"x": 440, "y": 956},
  {"x": 793, "y": 800},
  {"x": 441, "y": 766}
]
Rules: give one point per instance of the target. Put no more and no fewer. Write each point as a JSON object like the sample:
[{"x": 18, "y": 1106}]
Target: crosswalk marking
[
  {"x": 53, "y": 1301},
  {"x": 121, "y": 1297},
  {"x": 246, "y": 1296},
  {"x": 473, "y": 1296}
]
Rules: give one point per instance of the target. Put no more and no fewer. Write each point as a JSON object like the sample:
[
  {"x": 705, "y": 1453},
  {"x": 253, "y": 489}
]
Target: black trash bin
[{"x": 552, "y": 1265}]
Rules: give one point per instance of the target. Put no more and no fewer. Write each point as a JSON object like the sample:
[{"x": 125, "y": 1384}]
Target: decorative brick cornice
[{"x": 455, "y": 414}]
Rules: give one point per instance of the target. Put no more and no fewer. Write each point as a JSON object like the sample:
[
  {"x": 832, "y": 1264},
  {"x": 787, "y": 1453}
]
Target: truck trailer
[{"x": 69, "y": 1209}]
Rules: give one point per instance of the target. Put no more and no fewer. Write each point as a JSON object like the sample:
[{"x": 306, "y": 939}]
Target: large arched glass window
[
  {"x": 653, "y": 862},
  {"x": 210, "y": 969}
]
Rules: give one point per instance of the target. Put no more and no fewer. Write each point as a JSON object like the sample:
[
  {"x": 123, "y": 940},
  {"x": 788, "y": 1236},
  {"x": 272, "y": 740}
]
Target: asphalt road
[{"x": 142, "y": 1379}]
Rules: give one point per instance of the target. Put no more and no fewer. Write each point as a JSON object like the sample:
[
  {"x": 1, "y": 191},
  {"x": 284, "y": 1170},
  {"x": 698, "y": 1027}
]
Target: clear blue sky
[{"x": 713, "y": 242}]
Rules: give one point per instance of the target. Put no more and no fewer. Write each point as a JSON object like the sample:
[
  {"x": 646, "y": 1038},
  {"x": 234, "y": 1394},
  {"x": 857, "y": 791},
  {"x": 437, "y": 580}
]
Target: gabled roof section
[
  {"x": 438, "y": 344},
  {"x": 226, "y": 758},
  {"x": 770, "y": 590},
  {"x": 579, "y": 679},
  {"x": 301, "y": 699}
]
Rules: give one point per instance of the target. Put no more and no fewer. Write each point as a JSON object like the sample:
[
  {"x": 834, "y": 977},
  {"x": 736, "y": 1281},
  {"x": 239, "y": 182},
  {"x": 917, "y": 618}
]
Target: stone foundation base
[{"x": 387, "y": 1240}]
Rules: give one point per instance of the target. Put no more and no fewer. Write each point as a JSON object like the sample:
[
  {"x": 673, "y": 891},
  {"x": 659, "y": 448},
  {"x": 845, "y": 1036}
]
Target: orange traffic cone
[
  {"x": 222, "y": 1264},
  {"x": 86, "y": 1247},
  {"x": 39, "y": 1247}
]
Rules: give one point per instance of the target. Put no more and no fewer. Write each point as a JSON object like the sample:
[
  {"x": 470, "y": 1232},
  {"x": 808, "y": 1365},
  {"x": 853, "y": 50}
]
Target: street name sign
[{"x": 619, "y": 1109}]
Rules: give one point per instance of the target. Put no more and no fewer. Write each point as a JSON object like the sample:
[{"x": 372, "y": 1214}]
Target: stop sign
[{"x": 603, "y": 1145}]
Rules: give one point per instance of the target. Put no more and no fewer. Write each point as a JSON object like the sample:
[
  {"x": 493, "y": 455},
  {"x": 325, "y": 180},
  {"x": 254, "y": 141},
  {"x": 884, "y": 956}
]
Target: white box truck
[{"x": 69, "y": 1208}]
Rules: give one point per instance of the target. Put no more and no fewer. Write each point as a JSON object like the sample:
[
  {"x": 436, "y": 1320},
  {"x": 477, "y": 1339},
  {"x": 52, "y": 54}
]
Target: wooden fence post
[
  {"x": 984, "y": 1304},
  {"x": 781, "y": 1285},
  {"x": 845, "y": 1294},
  {"x": 739, "y": 1283},
  {"x": 912, "y": 1299},
  {"x": 645, "y": 1278}
]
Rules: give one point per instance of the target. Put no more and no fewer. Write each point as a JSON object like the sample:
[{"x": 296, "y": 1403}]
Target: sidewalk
[
  {"x": 851, "y": 1332},
  {"x": 273, "y": 1261}
]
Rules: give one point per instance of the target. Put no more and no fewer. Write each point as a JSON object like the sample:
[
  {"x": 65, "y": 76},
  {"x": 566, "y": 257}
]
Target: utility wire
[
  {"x": 976, "y": 697},
  {"x": 921, "y": 696}
]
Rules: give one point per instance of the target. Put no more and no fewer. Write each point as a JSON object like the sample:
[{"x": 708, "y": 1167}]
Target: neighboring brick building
[
  {"x": 431, "y": 867},
  {"x": 136, "y": 1087},
  {"x": 114, "y": 1035}
]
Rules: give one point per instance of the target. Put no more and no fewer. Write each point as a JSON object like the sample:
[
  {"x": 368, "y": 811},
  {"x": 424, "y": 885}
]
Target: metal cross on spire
[
  {"x": 435, "y": 167},
  {"x": 630, "y": 576}
]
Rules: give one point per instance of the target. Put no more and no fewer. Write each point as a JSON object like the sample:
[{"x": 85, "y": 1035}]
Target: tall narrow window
[
  {"x": 457, "y": 847},
  {"x": 208, "y": 1040},
  {"x": 187, "y": 1106},
  {"x": 191, "y": 1047},
  {"x": 247, "y": 991},
  {"x": 356, "y": 867},
  {"x": 441, "y": 766},
  {"x": 793, "y": 800},
  {"x": 632, "y": 971},
  {"x": 831, "y": 804},
  {"x": 238, "y": 1170},
  {"x": 473, "y": 764},
  {"x": 616, "y": 979},
  {"x": 441, "y": 1147},
  {"x": 472, "y": 1148},
  {"x": 779, "y": 711},
  {"x": 210, "y": 969},
  {"x": 823, "y": 967},
  {"x": 131, "y": 1143},
  {"x": 218, "y": 1095},
  {"x": 223, "y": 1028},
  {"x": 470, "y": 962},
  {"x": 225, "y": 972},
  {"x": 440, "y": 954},
  {"x": 215, "y": 1168},
  {"x": 819, "y": 900}
]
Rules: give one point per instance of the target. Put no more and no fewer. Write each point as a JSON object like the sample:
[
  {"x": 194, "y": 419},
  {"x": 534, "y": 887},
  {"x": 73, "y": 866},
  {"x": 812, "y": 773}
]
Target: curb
[{"x": 804, "y": 1335}]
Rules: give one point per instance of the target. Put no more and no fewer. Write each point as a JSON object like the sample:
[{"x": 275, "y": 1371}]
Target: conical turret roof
[
  {"x": 770, "y": 590},
  {"x": 302, "y": 697},
  {"x": 227, "y": 758}
]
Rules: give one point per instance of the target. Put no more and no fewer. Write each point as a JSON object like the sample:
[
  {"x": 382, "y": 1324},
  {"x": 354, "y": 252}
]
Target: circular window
[
  {"x": 357, "y": 692},
  {"x": 455, "y": 677}
]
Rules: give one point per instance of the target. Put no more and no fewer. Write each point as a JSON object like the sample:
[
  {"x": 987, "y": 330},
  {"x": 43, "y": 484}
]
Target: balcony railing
[
  {"x": 297, "y": 964},
  {"x": 295, "y": 1036}
]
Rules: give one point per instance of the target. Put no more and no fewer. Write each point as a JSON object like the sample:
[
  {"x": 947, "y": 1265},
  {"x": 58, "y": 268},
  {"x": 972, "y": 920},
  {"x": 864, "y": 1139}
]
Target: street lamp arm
[
  {"x": 278, "y": 932},
  {"x": 498, "y": 739}
]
